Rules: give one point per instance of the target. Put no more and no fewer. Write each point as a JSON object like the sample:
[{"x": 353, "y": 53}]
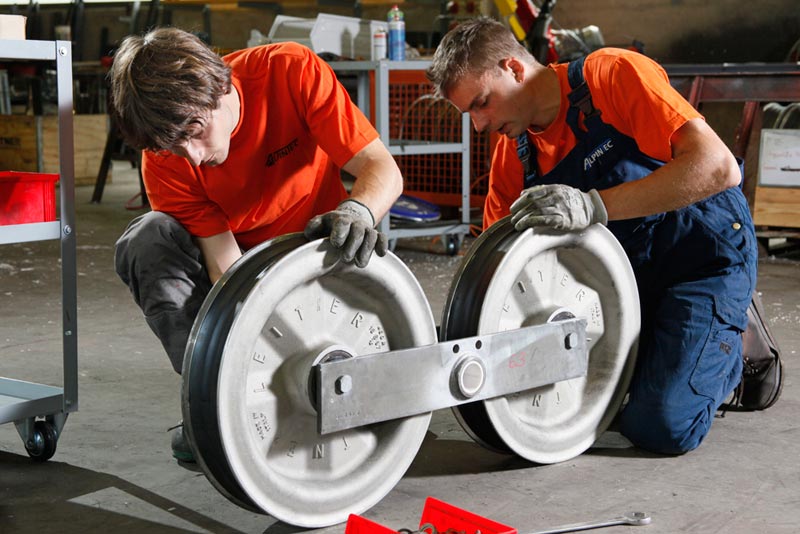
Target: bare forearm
[
  {"x": 219, "y": 253},
  {"x": 668, "y": 188},
  {"x": 378, "y": 180},
  {"x": 701, "y": 166}
]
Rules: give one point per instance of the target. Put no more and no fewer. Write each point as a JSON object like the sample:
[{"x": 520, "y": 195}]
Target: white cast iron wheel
[
  {"x": 509, "y": 280},
  {"x": 247, "y": 393}
]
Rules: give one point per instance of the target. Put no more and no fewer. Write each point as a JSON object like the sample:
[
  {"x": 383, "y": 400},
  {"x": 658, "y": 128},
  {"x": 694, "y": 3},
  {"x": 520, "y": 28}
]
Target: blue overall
[{"x": 695, "y": 268}]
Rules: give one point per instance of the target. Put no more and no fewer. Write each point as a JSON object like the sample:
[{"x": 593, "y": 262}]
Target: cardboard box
[
  {"x": 29, "y": 143},
  {"x": 777, "y": 206},
  {"x": 777, "y": 197},
  {"x": 12, "y": 27}
]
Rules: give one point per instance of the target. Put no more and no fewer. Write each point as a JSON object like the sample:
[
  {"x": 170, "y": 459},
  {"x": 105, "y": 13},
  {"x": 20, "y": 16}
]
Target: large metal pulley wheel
[
  {"x": 509, "y": 280},
  {"x": 248, "y": 387},
  {"x": 289, "y": 334}
]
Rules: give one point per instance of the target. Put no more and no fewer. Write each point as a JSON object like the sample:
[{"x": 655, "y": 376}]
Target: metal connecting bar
[{"x": 379, "y": 387}]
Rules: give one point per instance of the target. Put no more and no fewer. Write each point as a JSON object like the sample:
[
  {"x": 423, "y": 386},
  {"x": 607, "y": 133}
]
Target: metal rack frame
[
  {"x": 458, "y": 229},
  {"x": 23, "y": 402}
]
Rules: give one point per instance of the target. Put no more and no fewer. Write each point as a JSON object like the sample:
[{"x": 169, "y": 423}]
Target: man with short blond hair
[{"x": 606, "y": 140}]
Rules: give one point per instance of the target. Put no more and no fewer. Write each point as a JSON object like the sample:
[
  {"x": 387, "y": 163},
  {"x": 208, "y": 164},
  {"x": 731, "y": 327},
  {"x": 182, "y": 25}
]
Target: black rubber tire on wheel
[{"x": 45, "y": 438}]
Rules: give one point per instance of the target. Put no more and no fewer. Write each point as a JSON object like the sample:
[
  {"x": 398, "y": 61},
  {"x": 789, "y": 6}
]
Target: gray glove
[
  {"x": 558, "y": 206},
  {"x": 350, "y": 228}
]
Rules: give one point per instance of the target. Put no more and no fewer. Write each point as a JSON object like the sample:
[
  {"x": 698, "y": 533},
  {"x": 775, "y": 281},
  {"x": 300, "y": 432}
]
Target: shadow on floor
[
  {"x": 37, "y": 497},
  {"x": 450, "y": 457}
]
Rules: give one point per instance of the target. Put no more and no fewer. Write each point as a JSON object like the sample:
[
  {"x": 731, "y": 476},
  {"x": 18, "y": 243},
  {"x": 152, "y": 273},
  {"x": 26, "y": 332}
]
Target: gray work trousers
[{"x": 159, "y": 261}]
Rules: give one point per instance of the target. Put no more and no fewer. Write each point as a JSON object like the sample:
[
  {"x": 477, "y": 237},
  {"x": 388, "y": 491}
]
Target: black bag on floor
[{"x": 762, "y": 375}]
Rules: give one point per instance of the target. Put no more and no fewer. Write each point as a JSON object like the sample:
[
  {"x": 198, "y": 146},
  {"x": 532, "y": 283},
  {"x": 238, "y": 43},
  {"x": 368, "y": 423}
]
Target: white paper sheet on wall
[{"x": 779, "y": 158}]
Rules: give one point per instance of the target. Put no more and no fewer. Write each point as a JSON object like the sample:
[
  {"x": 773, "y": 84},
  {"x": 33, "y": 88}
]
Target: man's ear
[{"x": 515, "y": 67}]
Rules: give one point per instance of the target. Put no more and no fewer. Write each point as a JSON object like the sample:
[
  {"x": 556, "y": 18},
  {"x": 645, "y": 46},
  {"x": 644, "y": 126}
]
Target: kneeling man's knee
[{"x": 665, "y": 431}]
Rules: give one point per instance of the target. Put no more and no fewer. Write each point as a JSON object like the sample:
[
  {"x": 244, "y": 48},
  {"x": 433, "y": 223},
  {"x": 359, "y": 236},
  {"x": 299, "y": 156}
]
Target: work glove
[
  {"x": 558, "y": 206},
  {"x": 351, "y": 228}
]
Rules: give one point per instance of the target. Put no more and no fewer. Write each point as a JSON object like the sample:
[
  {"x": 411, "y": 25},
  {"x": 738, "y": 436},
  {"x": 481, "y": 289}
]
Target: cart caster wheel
[
  {"x": 452, "y": 246},
  {"x": 44, "y": 441}
]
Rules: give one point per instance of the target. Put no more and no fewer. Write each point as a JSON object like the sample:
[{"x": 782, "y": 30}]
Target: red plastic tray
[{"x": 27, "y": 197}]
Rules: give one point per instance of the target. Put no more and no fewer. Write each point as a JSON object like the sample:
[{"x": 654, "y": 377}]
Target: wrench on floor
[{"x": 631, "y": 518}]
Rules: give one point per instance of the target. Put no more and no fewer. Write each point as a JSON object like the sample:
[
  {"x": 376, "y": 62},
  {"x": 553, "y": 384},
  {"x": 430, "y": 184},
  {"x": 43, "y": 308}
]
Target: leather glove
[
  {"x": 350, "y": 228},
  {"x": 558, "y": 206}
]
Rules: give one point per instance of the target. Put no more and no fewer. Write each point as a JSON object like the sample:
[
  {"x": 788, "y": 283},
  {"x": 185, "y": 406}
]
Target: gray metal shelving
[
  {"x": 457, "y": 229},
  {"x": 39, "y": 411}
]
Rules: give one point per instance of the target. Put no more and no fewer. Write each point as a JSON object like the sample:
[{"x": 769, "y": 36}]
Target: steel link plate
[
  {"x": 511, "y": 279},
  {"x": 248, "y": 397}
]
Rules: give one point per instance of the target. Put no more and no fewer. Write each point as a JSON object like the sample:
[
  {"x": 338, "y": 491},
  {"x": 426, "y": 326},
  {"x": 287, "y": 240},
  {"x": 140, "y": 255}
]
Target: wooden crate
[
  {"x": 777, "y": 206},
  {"x": 777, "y": 195},
  {"x": 29, "y": 143}
]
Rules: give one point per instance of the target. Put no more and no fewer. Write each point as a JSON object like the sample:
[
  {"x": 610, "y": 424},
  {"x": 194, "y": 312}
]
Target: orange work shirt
[
  {"x": 633, "y": 95},
  {"x": 297, "y": 128}
]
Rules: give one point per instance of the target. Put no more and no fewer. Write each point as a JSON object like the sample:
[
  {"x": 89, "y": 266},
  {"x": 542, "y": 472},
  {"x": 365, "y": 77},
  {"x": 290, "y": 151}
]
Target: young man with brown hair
[{"x": 238, "y": 149}]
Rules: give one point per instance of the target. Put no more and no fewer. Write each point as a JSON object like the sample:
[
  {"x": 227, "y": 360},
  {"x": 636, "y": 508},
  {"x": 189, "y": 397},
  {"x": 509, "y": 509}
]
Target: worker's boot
[{"x": 181, "y": 450}]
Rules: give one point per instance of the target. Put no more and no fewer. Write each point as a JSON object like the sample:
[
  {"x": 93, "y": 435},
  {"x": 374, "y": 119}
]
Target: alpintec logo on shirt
[
  {"x": 281, "y": 153},
  {"x": 598, "y": 152}
]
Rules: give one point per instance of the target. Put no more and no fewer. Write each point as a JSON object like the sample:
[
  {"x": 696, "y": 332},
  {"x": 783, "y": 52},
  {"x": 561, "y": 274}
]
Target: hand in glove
[
  {"x": 558, "y": 206},
  {"x": 351, "y": 229}
]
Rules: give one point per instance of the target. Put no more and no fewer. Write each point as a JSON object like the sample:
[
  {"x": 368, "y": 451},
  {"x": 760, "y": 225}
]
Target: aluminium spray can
[
  {"x": 379, "y": 45},
  {"x": 397, "y": 34}
]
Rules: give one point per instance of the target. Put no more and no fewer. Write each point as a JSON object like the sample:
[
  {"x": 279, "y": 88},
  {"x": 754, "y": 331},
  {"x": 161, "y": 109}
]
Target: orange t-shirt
[
  {"x": 297, "y": 128},
  {"x": 634, "y": 96}
]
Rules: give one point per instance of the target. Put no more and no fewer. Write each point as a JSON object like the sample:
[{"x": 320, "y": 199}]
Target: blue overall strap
[
  {"x": 580, "y": 99},
  {"x": 524, "y": 149}
]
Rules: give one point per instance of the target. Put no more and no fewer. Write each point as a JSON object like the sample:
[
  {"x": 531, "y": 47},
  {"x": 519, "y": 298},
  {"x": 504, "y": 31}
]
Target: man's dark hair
[{"x": 162, "y": 84}]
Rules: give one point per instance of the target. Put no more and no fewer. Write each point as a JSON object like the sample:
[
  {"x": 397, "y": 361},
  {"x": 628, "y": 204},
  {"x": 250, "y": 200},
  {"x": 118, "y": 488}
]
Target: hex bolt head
[{"x": 344, "y": 384}]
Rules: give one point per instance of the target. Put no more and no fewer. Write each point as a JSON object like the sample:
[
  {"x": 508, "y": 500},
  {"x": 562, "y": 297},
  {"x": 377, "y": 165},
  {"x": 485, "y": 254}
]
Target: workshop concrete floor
[{"x": 113, "y": 471}]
